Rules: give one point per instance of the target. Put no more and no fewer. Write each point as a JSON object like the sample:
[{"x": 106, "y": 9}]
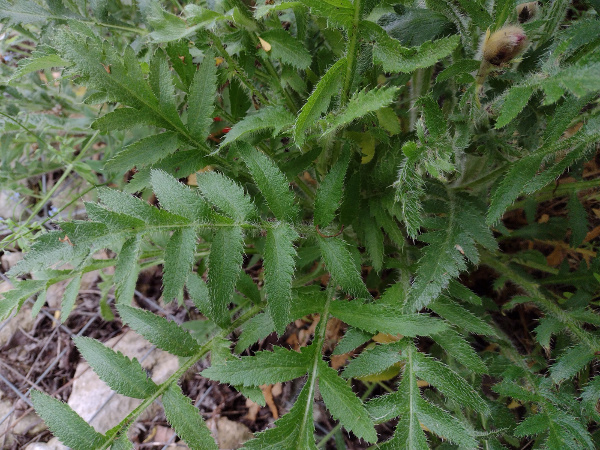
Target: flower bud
[
  {"x": 526, "y": 11},
  {"x": 503, "y": 45}
]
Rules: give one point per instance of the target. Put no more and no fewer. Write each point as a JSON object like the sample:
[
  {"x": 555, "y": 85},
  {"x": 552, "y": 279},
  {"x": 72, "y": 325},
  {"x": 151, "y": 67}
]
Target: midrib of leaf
[
  {"x": 412, "y": 395},
  {"x": 312, "y": 378},
  {"x": 185, "y": 366}
]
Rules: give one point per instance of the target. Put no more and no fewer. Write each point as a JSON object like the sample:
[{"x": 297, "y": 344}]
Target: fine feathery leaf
[
  {"x": 224, "y": 264},
  {"x": 186, "y": 419},
  {"x": 341, "y": 266},
  {"x": 287, "y": 49},
  {"x": 434, "y": 117},
  {"x": 344, "y": 405},
  {"x": 123, "y": 375},
  {"x": 294, "y": 430},
  {"x": 318, "y": 102},
  {"x": 179, "y": 259},
  {"x": 395, "y": 58},
  {"x": 144, "y": 152},
  {"x": 372, "y": 361},
  {"x": 15, "y": 297},
  {"x": 514, "y": 103},
  {"x": 201, "y": 98},
  {"x": 330, "y": 191},
  {"x": 126, "y": 270},
  {"x": 375, "y": 318},
  {"x": 338, "y": 12},
  {"x": 360, "y": 105},
  {"x": 271, "y": 181},
  {"x": 263, "y": 368},
  {"x": 571, "y": 362},
  {"x": 226, "y": 195},
  {"x": 279, "y": 270},
  {"x": 65, "y": 423},
  {"x": 178, "y": 198},
  {"x": 69, "y": 297},
  {"x": 164, "y": 334},
  {"x": 274, "y": 118}
]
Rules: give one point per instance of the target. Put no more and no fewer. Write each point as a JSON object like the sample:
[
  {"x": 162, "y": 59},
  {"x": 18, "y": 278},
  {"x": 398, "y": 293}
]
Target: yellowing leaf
[{"x": 264, "y": 44}]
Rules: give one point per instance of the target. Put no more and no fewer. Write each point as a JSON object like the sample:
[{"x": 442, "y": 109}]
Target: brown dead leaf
[
  {"x": 267, "y": 391},
  {"x": 338, "y": 361},
  {"x": 556, "y": 257}
]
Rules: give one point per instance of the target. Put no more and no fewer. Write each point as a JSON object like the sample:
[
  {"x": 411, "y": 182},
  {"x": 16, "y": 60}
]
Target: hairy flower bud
[
  {"x": 526, "y": 11},
  {"x": 503, "y": 45}
]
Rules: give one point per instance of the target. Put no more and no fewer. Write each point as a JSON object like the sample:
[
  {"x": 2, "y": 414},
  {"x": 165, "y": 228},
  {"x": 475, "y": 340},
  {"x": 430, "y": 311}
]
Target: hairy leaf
[
  {"x": 164, "y": 334},
  {"x": 224, "y": 264},
  {"x": 65, "y": 423},
  {"x": 344, "y": 405},
  {"x": 330, "y": 191},
  {"x": 318, "y": 102},
  {"x": 279, "y": 270},
  {"x": 179, "y": 259},
  {"x": 263, "y": 368},
  {"x": 271, "y": 181},
  {"x": 340, "y": 264},
  {"x": 186, "y": 420},
  {"x": 274, "y": 118},
  {"x": 226, "y": 195},
  {"x": 123, "y": 375}
]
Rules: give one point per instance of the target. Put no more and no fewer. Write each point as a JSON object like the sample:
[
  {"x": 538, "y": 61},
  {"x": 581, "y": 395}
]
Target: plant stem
[{"x": 351, "y": 53}]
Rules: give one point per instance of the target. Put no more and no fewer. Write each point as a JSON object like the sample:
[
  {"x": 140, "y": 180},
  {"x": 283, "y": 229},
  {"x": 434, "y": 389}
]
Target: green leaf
[
  {"x": 514, "y": 103},
  {"x": 178, "y": 198},
  {"x": 352, "y": 339},
  {"x": 460, "y": 316},
  {"x": 318, "y": 102},
  {"x": 274, "y": 118},
  {"x": 271, "y": 182},
  {"x": 224, "y": 264},
  {"x": 21, "y": 291},
  {"x": 338, "y": 12},
  {"x": 144, "y": 152},
  {"x": 226, "y": 195},
  {"x": 434, "y": 117},
  {"x": 287, "y": 49},
  {"x": 512, "y": 185},
  {"x": 263, "y": 368},
  {"x": 330, "y": 191},
  {"x": 340, "y": 265},
  {"x": 376, "y": 318},
  {"x": 161, "y": 81},
  {"x": 186, "y": 420},
  {"x": 123, "y": 119},
  {"x": 259, "y": 327},
  {"x": 373, "y": 240},
  {"x": 198, "y": 291},
  {"x": 65, "y": 423},
  {"x": 448, "y": 382},
  {"x": 179, "y": 259},
  {"x": 570, "y": 362},
  {"x": 126, "y": 270},
  {"x": 409, "y": 187},
  {"x": 361, "y": 104},
  {"x": 122, "y": 442},
  {"x": 123, "y": 375},
  {"x": 456, "y": 346},
  {"x": 458, "y": 68},
  {"x": 395, "y": 58},
  {"x": 201, "y": 98},
  {"x": 164, "y": 334},
  {"x": 445, "y": 425},
  {"x": 69, "y": 297},
  {"x": 43, "y": 57},
  {"x": 344, "y": 405},
  {"x": 372, "y": 361},
  {"x": 294, "y": 430},
  {"x": 279, "y": 262},
  {"x": 23, "y": 12}
]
